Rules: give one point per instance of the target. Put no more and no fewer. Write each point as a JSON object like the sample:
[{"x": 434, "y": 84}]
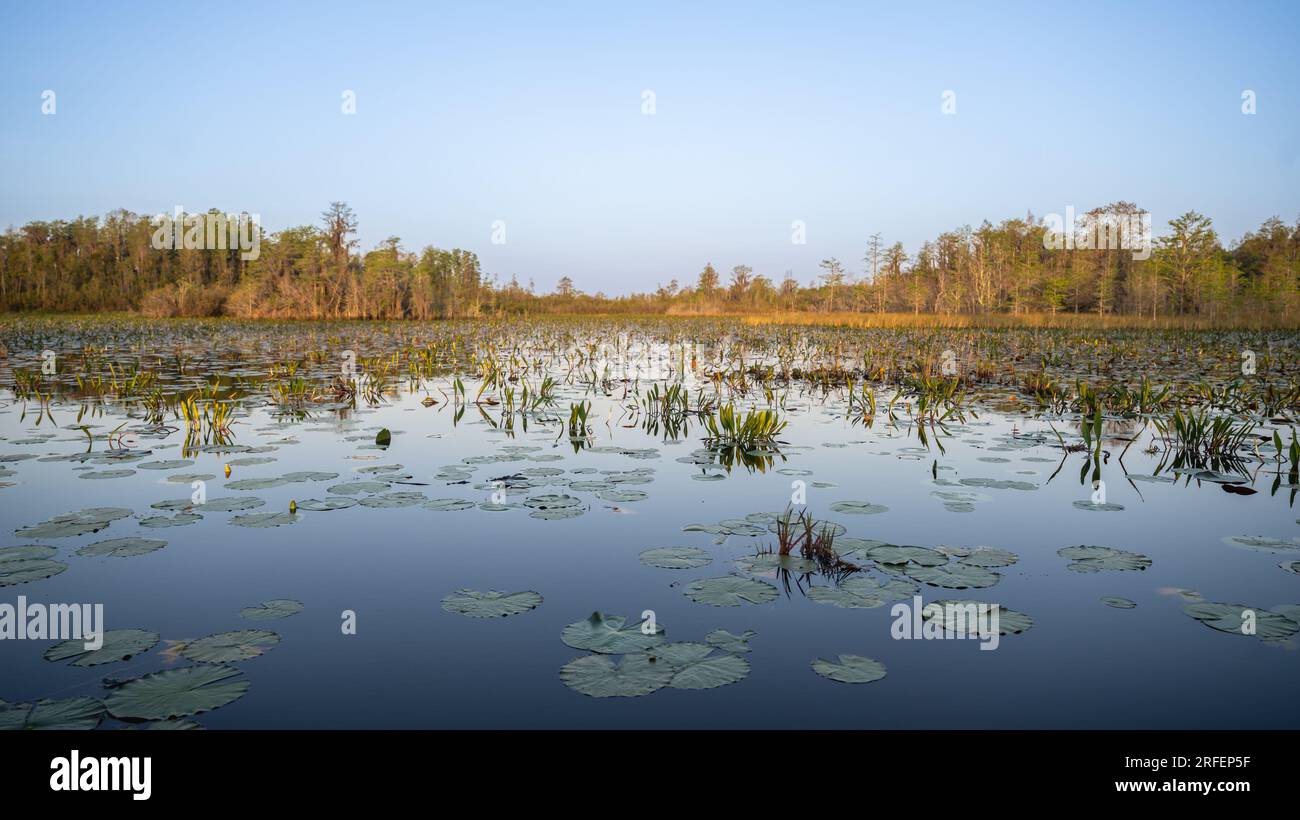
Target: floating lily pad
[
  {"x": 71, "y": 524},
  {"x": 357, "y": 487},
  {"x": 393, "y": 500},
  {"x": 730, "y": 590},
  {"x": 230, "y": 504},
  {"x": 447, "y": 504},
  {"x": 107, "y": 474},
  {"x": 609, "y": 635},
  {"x": 316, "y": 505},
  {"x": 271, "y": 610},
  {"x": 903, "y": 556},
  {"x": 1117, "y": 602},
  {"x": 239, "y": 645},
  {"x": 265, "y": 519},
  {"x": 850, "y": 669},
  {"x": 990, "y": 558},
  {"x": 175, "y": 693},
  {"x": 166, "y": 465},
  {"x": 71, "y": 714},
  {"x": 1231, "y": 618},
  {"x": 1263, "y": 543},
  {"x": 122, "y": 547},
  {"x": 1096, "y": 559},
  {"x": 30, "y": 562},
  {"x": 727, "y": 642},
  {"x": 694, "y": 667},
  {"x": 162, "y": 521},
  {"x": 954, "y": 576},
  {"x": 601, "y": 677},
  {"x": 1093, "y": 507},
  {"x": 675, "y": 557},
  {"x": 259, "y": 483},
  {"x": 769, "y": 561},
  {"x": 492, "y": 604},
  {"x": 862, "y": 592},
  {"x": 962, "y": 617},
  {"x": 118, "y": 645},
  {"x": 858, "y": 508}
]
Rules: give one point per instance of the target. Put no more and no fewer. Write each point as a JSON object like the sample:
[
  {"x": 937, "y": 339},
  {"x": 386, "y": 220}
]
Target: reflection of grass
[{"x": 814, "y": 541}]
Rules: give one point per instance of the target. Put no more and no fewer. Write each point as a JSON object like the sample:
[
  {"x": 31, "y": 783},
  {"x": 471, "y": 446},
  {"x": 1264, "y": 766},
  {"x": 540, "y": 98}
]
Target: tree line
[{"x": 319, "y": 272}]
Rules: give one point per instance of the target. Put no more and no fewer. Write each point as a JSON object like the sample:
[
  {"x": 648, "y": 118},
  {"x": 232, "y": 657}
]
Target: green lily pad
[
  {"x": 224, "y": 647},
  {"x": 492, "y": 604},
  {"x": 850, "y": 669},
  {"x": 990, "y": 558},
  {"x": 258, "y": 483},
  {"x": 71, "y": 714},
  {"x": 962, "y": 617},
  {"x": 609, "y": 635},
  {"x": 1117, "y": 602},
  {"x": 600, "y": 677},
  {"x": 155, "y": 522},
  {"x": 858, "y": 508},
  {"x": 675, "y": 557},
  {"x": 166, "y": 465},
  {"x": 176, "y": 693},
  {"x": 730, "y": 590},
  {"x": 694, "y": 667},
  {"x": 1097, "y": 559},
  {"x": 122, "y": 547},
  {"x": 31, "y": 562},
  {"x": 1231, "y": 618},
  {"x": 954, "y": 576},
  {"x": 71, "y": 524},
  {"x": 119, "y": 645},
  {"x": 862, "y": 592},
  {"x": 769, "y": 561},
  {"x": 107, "y": 474},
  {"x": 230, "y": 504},
  {"x": 393, "y": 500},
  {"x": 727, "y": 642},
  {"x": 265, "y": 519},
  {"x": 357, "y": 487},
  {"x": 315, "y": 505},
  {"x": 447, "y": 504},
  {"x": 1263, "y": 543},
  {"x": 271, "y": 610},
  {"x": 904, "y": 556}
]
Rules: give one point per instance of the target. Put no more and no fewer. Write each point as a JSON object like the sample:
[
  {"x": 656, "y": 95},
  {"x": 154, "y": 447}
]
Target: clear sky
[{"x": 764, "y": 113}]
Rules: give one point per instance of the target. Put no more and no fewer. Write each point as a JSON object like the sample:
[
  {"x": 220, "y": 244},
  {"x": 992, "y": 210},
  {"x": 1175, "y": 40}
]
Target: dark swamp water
[{"x": 407, "y": 490}]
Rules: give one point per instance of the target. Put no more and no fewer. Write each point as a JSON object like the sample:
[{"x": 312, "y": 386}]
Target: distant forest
[{"x": 318, "y": 272}]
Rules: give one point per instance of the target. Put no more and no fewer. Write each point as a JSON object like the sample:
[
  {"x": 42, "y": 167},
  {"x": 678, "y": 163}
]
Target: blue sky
[{"x": 765, "y": 113}]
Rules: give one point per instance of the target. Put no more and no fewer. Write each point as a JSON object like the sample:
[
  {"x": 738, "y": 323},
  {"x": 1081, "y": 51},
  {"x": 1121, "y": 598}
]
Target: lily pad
[
  {"x": 316, "y": 505},
  {"x": 694, "y": 667},
  {"x": 862, "y": 592},
  {"x": 850, "y": 669},
  {"x": 730, "y": 590},
  {"x": 1231, "y": 618},
  {"x": 491, "y": 604},
  {"x": 954, "y": 576},
  {"x": 265, "y": 519},
  {"x": 609, "y": 635},
  {"x": 70, "y": 714},
  {"x": 858, "y": 508},
  {"x": 727, "y": 642},
  {"x": 119, "y": 645},
  {"x": 601, "y": 677},
  {"x": 31, "y": 562},
  {"x": 962, "y": 617},
  {"x": 675, "y": 557},
  {"x": 224, "y": 647},
  {"x": 175, "y": 693},
  {"x": 271, "y": 610},
  {"x": 990, "y": 558},
  {"x": 1117, "y": 602},
  {"x": 71, "y": 524},
  {"x": 1097, "y": 559},
  {"x": 122, "y": 547}
]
